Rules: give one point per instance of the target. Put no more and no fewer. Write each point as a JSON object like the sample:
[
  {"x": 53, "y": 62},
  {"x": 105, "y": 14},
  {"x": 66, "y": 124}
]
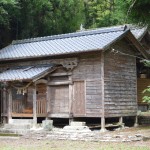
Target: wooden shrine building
[{"x": 83, "y": 74}]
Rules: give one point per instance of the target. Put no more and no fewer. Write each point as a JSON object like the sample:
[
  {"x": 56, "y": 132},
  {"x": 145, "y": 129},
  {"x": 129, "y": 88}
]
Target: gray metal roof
[
  {"x": 26, "y": 73},
  {"x": 62, "y": 44},
  {"x": 138, "y": 32}
]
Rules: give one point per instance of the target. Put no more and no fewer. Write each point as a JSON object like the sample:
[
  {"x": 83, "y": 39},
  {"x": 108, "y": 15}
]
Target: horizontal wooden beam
[
  {"x": 41, "y": 115},
  {"x": 21, "y": 115},
  {"x": 41, "y": 81},
  {"x": 62, "y": 115},
  {"x": 60, "y": 74},
  {"x": 60, "y": 83},
  {"x": 27, "y": 115},
  {"x": 4, "y": 114}
]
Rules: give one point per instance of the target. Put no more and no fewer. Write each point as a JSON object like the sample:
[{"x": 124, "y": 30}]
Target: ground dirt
[{"x": 34, "y": 143}]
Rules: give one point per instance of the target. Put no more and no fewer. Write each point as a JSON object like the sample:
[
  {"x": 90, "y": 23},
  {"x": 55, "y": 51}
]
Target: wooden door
[
  {"x": 59, "y": 99},
  {"x": 79, "y": 98}
]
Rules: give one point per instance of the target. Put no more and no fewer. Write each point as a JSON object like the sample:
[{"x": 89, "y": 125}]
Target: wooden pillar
[
  {"x": 121, "y": 122},
  {"x": 34, "y": 106},
  {"x": 103, "y": 129},
  {"x": 9, "y": 104},
  {"x": 4, "y": 110},
  {"x": 70, "y": 99},
  {"x": 136, "y": 121},
  {"x": 47, "y": 100},
  {"x": 48, "y": 105},
  {"x": 4, "y": 106}
]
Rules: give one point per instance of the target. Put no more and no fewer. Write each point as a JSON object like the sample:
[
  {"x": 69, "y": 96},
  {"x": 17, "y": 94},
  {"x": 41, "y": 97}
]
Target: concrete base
[
  {"x": 136, "y": 125},
  {"x": 76, "y": 126},
  {"x": 20, "y": 121},
  {"x": 47, "y": 124},
  {"x": 103, "y": 130},
  {"x": 77, "y": 123},
  {"x": 18, "y": 126}
]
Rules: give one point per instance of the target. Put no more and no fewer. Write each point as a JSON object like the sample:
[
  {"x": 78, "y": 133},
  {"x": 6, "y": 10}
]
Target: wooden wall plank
[
  {"x": 79, "y": 98},
  {"x": 120, "y": 82},
  {"x": 59, "y": 99},
  {"x": 89, "y": 70}
]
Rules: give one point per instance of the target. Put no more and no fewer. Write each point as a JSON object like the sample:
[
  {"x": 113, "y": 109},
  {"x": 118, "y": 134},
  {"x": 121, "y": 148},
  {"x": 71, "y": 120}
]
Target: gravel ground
[{"x": 33, "y": 142}]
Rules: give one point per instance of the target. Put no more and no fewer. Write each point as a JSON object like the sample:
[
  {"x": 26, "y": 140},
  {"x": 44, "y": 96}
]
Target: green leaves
[
  {"x": 6, "y": 11},
  {"x": 146, "y": 98},
  {"x": 21, "y": 19}
]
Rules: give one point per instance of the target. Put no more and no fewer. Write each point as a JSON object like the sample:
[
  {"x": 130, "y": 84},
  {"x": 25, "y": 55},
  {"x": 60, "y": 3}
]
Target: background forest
[{"x": 21, "y": 19}]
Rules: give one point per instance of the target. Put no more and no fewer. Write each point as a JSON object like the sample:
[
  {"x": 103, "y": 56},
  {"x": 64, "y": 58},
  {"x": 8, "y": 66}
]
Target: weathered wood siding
[
  {"x": 120, "y": 82},
  {"x": 59, "y": 99},
  {"x": 79, "y": 98},
  {"x": 41, "y": 92},
  {"x": 89, "y": 71}
]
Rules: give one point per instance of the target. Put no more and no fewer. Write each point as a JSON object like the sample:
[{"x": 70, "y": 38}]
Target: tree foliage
[
  {"x": 139, "y": 11},
  {"x": 7, "y": 11},
  {"x": 146, "y": 98},
  {"x": 31, "y": 18},
  {"x": 99, "y": 13}
]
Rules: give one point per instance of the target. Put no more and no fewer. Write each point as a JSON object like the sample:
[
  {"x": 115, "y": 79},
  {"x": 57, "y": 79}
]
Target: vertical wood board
[{"x": 79, "y": 98}]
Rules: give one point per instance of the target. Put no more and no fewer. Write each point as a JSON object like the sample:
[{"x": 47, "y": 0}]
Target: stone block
[
  {"x": 77, "y": 123},
  {"x": 76, "y": 128},
  {"x": 20, "y": 121},
  {"x": 47, "y": 124}
]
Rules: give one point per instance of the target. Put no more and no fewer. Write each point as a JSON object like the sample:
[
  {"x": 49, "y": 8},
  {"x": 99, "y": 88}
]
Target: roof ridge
[{"x": 74, "y": 34}]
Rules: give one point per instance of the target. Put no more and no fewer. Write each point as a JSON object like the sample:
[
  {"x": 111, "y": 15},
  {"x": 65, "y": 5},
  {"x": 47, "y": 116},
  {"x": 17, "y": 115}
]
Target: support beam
[
  {"x": 34, "y": 106},
  {"x": 103, "y": 129},
  {"x": 48, "y": 104},
  {"x": 47, "y": 101},
  {"x": 9, "y": 104},
  {"x": 70, "y": 120},
  {"x": 121, "y": 122},
  {"x": 136, "y": 121},
  {"x": 70, "y": 100},
  {"x": 4, "y": 107},
  {"x": 4, "y": 102}
]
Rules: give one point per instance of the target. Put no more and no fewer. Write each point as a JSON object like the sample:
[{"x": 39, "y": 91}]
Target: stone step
[
  {"x": 16, "y": 131},
  {"x": 77, "y": 123},
  {"x": 21, "y": 121},
  {"x": 17, "y": 126}
]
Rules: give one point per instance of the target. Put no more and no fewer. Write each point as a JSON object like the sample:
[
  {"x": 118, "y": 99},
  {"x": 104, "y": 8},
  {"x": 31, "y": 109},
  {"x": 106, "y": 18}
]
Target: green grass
[
  {"x": 72, "y": 145},
  {"x": 9, "y": 134}
]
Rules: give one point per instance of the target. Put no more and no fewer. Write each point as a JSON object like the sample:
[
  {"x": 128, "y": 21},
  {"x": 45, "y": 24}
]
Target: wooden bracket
[{"x": 70, "y": 64}]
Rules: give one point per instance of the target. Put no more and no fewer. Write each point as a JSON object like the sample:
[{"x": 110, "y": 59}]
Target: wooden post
[
  {"x": 4, "y": 106},
  {"x": 136, "y": 121},
  {"x": 34, "y": 106},
  {"x": 103, "y": 129},
  {"x": 70, "y": 100},
  {"x": 47, "y": 100},
  {"x": 136, "y": 117},
  {"x": 9, "y": 104},
  {"x": 121, "y": 122}
]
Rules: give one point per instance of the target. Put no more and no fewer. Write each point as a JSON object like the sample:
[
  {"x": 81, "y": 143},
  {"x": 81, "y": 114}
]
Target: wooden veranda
[{"x": 19, "y": 111}]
